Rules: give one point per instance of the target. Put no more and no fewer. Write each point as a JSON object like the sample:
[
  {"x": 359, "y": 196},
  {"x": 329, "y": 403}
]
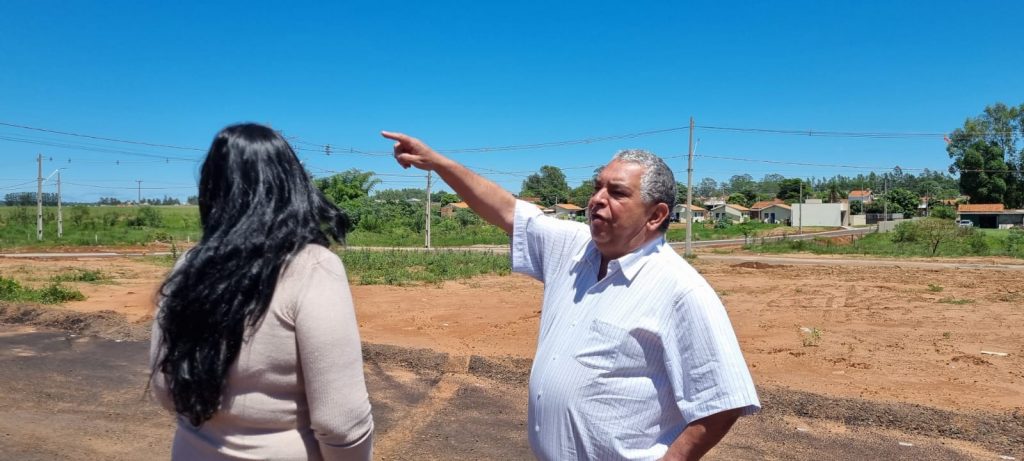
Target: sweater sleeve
[{"x": 330, "y": 356}]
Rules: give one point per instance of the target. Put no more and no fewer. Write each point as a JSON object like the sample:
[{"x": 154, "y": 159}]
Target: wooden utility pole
[
  {"x": 689, "y": 196},
  {"x": 39, "y": 199},
  {"x": 60, "y": 216},
  {"x": 801, "y": 223},
  {"x": 427, "y": 211},
  {"x": 139, "y": 201}
]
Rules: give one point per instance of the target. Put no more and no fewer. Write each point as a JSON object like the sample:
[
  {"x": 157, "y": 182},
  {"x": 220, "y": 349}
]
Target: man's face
[{"x": 619, "y": 219}]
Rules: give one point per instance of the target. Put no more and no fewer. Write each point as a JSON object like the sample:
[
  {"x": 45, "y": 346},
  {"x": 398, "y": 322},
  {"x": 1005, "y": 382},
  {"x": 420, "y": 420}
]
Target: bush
[
  {"x": 54, "y": 293},
  {"x": 146, "y": 216}
]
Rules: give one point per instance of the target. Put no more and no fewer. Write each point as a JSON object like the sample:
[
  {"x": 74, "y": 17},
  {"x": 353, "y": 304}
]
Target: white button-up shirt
[{"x": 624, "y": 363}]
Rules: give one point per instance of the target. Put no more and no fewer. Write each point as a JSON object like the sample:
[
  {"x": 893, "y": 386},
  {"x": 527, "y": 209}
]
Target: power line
[{"x": 100, "y": 138}]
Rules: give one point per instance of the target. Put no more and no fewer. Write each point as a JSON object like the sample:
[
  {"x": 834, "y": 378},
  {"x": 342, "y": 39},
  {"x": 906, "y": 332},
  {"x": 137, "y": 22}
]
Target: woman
[{"x": 255, "y": 345}]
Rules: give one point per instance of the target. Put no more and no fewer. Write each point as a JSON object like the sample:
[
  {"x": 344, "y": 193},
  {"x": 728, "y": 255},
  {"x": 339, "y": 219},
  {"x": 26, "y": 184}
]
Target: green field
[
  {"x": 99, "y": 226},
  {"x": 973, "y": 242}
]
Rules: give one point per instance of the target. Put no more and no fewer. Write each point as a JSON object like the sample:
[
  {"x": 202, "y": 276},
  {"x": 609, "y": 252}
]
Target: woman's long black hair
[{"x": 258, "y": 207}]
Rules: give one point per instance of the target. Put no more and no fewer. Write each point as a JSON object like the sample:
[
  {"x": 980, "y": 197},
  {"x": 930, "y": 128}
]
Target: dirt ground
[
  {"x": 881, "y": 333},
  {"x": 947, "y": 340}
]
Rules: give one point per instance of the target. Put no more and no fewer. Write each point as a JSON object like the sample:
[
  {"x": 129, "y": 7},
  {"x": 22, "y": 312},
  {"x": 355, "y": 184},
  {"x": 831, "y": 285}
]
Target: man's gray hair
[{"x": 658, "y": 184}]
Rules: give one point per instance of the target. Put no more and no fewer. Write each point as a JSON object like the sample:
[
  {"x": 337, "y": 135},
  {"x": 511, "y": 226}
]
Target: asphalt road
[{"x": 82, "y": 398}]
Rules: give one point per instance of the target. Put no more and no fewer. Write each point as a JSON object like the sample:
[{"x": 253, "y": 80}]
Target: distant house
[
  {"x": 738, "y": 213},
  {"x": 450, "y": 209},
  {"x": 711, "y": 202},
  {"x": 533, "y": 200},
  {"x": 862, "y": 196},
  {"x": 776, "y": 213},
  {"x": 755, "y": 209},
  {"x": 567, "y": 210},
  {"x": 679, "y": 213},
  {"x": 990, "y": 215}
]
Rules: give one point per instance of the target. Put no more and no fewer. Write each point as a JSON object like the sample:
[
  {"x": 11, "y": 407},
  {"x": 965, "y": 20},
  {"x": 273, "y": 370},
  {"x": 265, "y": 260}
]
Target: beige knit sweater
[{"x": 296, "y": 391}]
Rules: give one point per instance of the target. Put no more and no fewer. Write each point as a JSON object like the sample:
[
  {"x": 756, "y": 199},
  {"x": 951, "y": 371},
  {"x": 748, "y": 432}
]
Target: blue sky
[{"x": 476, "y": 74}]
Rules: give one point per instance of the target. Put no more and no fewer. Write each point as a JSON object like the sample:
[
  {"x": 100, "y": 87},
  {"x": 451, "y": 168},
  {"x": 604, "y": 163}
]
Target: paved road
[
  {"x": 492, "y": 248},
  {"x": 81, "y": 398}
]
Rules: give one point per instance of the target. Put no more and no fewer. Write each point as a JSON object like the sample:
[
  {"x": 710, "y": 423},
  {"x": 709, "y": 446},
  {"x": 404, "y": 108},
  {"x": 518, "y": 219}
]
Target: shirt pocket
[{"x": 610, "y": 348}]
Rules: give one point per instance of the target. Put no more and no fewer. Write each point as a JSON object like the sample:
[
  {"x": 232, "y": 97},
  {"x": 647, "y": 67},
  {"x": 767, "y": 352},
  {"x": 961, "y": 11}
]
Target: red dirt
[{"x": 877, "y": 333}]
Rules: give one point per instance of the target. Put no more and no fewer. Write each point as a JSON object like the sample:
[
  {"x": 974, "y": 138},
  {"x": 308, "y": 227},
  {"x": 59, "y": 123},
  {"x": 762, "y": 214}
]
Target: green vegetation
[
  {"x": 99, "y": 225},
  {"x": 54, "y": 293},
  {"x": 81, "y": 275},
  {"x": 811, "y": 337},
  {"x": 934, "y": 288},
  {"x": 403, "y": 267},
  {"x": 952, "y": 300},
  {"x": 713, "y": 231},
  {"x": 926, "y": 237}
]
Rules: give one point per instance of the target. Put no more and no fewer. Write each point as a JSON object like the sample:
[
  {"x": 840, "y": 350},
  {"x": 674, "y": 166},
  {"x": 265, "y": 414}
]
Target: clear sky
[{"x": 483, "y": 74}]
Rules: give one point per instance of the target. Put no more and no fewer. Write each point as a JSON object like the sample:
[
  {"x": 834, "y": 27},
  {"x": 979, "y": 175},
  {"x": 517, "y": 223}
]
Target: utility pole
[
  {"x": 800, "y": 228},
  {"x": 885, "y": 195},
  {"x": 39, "y": 200},
  {"x": 139, "y": 201},
  {"x": 60, "y": 217},
  {"x": 427, "y": 211},
  {"x": 689, "y": 196}
]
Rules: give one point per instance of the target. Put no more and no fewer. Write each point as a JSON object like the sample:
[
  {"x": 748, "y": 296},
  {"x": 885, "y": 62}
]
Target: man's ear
[{"x": 659, "y": 214}]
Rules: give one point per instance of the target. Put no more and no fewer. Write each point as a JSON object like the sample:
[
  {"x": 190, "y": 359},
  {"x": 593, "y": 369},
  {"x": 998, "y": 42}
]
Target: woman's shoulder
[{"x": 314, "y": 256}]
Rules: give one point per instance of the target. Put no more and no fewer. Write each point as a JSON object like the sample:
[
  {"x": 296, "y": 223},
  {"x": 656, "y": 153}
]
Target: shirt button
[
  {"x": 536, "y": 428},
  {"x": 554, "y": 358}
]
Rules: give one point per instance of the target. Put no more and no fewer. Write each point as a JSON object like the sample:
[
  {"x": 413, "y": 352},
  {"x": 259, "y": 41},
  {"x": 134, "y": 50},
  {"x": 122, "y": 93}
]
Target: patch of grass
[
  {"x": 946, "y": 335},
  {"x": 811, "y": 337},
  {"x": 161, "y": 261},
  {"x": 952, "y": 300},
  {"x": 398, "y": 267},
  {"x": 54, "y": 293},
  {"x": 934, "y": 288},
  {"x": 81, "y": 275}
]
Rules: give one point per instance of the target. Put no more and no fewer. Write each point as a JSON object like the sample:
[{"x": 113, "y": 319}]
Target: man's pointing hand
[{"x": 410, "y": 151}]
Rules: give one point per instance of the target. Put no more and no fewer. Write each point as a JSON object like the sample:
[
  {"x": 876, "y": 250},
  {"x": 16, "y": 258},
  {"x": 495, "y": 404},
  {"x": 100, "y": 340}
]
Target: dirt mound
[
  {"x": 757, "y": 265},
  {"x": 105, "y": 324}
]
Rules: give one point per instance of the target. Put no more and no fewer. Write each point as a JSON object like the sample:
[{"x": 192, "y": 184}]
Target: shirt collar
[{"x": 629, "y": 264}]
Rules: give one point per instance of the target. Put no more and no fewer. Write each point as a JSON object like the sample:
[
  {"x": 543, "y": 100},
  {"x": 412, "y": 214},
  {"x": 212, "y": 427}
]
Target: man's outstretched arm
[
  {"x": 701, "y": 435},
  {"x": 487, "y": 199}
]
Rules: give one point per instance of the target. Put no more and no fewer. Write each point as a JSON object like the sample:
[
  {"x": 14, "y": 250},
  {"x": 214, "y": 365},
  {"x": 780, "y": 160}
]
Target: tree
[
  {"x": 549, "y": 185},
  {"x": 400, "y": 195},
  {"x": 769, "y": 185},
  {"x": 983, "y": 173},
  {"x": 737, "y": 198},
  {"x": 347, "y": 185},
  {"x": 707, "y": 187},
  {"x": 29, "y": 199},
  {"x": 192, "y": 200},
  {"x": 832, "y": 192},
  {"x": 902, "y": 201},
  {"x": 998, "y": 126},
  {"x": 789, "y": 190},
  {"x": 444, "y": 197},
  {"x": 581, "y": 194}
]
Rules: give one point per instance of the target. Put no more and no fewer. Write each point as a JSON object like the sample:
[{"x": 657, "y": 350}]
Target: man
[{"x": 636, "y": 357}]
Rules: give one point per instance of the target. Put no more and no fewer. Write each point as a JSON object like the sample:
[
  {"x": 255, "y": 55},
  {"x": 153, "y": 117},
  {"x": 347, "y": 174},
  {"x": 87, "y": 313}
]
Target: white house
[
  {"x": 679, "y": 213},
  {"x": 567, "y": 210},
  {"x": 776, "y": 213},
  {"x": 737, "y": 213}
]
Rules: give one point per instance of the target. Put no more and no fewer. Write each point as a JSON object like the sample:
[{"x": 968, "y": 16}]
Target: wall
[{"x": 817, "y": 214}]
